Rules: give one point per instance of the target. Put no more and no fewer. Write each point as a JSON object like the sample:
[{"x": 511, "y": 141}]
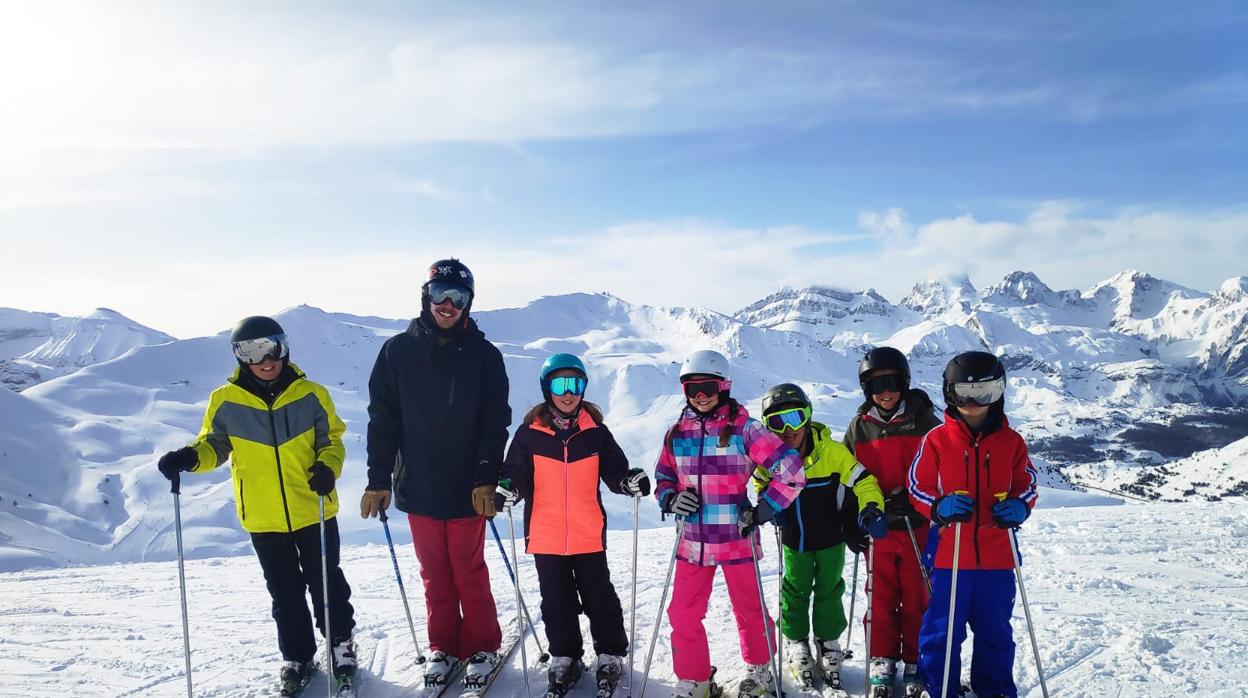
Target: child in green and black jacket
[{"x": 812, "y": 533}]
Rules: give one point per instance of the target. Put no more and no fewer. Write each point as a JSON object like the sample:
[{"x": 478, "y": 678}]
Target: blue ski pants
[{"x": 985, "y": 601}]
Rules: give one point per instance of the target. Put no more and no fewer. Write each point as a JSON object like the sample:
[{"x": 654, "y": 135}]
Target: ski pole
[
  {"x": 632, "y": 615},
  {"x": 756, "y": 551},
  {"x": 658, "y": 622},
  {"x": 515, "y": 581},
  {"x": 869, "y": 620},
  {"x": 175, "y": 488},
  {"x": 1022, "y": 592},
  {"x": 542, "y": 657},
  {"x": 398, "y": 577},
  {"x": 953, "y": 596},
  {"x": 329, "y": 652},
  {"x": 918, "y": 557},
  {"x": 853, "y": 596},
  {"x": 780, "y": 612}
]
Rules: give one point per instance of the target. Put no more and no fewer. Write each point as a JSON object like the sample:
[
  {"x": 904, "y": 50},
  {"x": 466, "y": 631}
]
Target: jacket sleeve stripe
[{"x": 915, "y": 491}]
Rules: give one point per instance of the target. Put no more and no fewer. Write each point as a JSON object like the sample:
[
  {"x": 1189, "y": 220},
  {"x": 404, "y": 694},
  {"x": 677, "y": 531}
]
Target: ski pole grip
[
  {"x": 1001, "y": 496},
  {"x": 175, "y": 484},
  {"x": 381, "y": 513}
]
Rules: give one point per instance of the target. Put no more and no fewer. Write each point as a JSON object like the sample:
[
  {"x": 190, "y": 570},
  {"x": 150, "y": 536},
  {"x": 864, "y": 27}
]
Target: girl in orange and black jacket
[{"x": 555, "y": 461}]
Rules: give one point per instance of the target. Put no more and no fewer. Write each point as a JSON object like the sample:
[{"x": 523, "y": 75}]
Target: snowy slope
[
  {"x": 36, "y": 347},
  {"x": 1141, "y": 600}
]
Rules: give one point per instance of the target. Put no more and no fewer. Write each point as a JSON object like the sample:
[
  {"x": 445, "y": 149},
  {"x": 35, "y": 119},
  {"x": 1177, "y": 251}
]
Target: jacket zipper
[
  {"x": 701, "y": 452},
  {"x": 567, "y": 545},
  {"x": 978, "y": 564},
  {"x": 281, "y": 483},
  {"x": 242, "y": 499},
  {"x": 450, "y": 400}
]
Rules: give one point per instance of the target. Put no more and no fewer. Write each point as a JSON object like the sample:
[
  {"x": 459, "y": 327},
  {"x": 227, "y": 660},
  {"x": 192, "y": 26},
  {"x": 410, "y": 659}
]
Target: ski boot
[
  {"x": 481, "y": 666},
  {"x": 800, "y": 665},
  {"x": 607, "y": 674},
  {"x": 911, "y": 684},
  {"x": 697, "y": 689},
  {"x": 830, "y": 659},
  {"x": 758, "y": 682},
  {"x": 344, "y": 667},
  {"x": 294, "y": 677},
  {"x": 439, "y": 669},
  {"x": 881, "y": 677},
  {"x": 562, "y": 676}
]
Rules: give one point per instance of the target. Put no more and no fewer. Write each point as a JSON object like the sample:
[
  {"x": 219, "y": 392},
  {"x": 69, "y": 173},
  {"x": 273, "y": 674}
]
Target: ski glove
[
  {"x": 505, "y": 496},
  {"x": 322, "y": 479},
  {"x": 751, "y": 518},
  {"x": 683, "y": 503},
  {"x": 856, "y": 541},
  {"x": 483, "y": 500},
  {"x": 636, "y": 483},
  {"x": 1010, "y": 512},
  {"x": 173, "y": 463},
  {"x": 871, "y": 521},
  {"x": 954, "y": 508}
]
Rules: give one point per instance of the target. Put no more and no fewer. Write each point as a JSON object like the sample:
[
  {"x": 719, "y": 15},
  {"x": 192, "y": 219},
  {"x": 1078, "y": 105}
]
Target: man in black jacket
[{"x": 438, "y": 419}]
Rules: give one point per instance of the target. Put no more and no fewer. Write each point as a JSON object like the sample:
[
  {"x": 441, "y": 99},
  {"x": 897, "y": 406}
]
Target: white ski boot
[
  {"x": 607, "y": 674},
  {"x": 481, "y": 665},
  {"x": 881, "y": 677},
  {"x": 344, "y": 658},
  {"x": 911, "y": 684},
  {"x": 799, "y": 664},
  {"x": 439, "y": 669},
  {"x": 758, "y": 682},
  {"x": 830, "y": 659},
  {"x": 695, "y": 689}
]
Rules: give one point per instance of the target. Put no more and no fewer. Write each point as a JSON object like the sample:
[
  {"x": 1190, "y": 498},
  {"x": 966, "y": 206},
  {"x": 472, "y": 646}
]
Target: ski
[
  {"x": 511, "y": 643},
  {"x": 452, "y": 679}
]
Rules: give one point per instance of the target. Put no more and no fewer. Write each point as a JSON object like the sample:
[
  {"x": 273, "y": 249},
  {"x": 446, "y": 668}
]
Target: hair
[{"x": 540, "y": 413}]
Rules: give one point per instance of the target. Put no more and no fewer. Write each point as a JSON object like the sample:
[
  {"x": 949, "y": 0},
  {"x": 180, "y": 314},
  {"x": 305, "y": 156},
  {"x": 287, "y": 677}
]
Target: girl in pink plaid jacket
[{"x": 703, "y": 475}]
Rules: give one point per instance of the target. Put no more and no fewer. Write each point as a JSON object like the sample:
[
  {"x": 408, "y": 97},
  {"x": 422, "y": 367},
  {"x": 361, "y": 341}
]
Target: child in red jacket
[{"x": 972, "y": 473}]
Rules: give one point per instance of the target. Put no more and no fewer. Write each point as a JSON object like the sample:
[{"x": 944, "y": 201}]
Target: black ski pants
[
  {"x": 570, "y": 584},
  {"x": 292, "y": 568}
]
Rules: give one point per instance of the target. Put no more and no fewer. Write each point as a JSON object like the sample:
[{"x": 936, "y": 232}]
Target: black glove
[
  {"x": 636, "y": 483},
  {"x": 752, "y": 517},
  {"x": 898, "y": 505},
  {"x": 683, "y": 503},
  {"x": 173, "y": 463},
  {"x": 322, "y": 479},
  {"x": 856, "y": 540}
]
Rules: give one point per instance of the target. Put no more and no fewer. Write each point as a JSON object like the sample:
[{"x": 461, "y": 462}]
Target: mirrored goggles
[
  {"x": 794, "y": 419},
  {"x": 710, "y": 387},
  {"x": 890, "y": 383},
  {"x": 979, "y": 392},
  {"x": 442, "y": 291},
  {"x": 564, "y": 385},
  {"x": 254, "y": 351}
]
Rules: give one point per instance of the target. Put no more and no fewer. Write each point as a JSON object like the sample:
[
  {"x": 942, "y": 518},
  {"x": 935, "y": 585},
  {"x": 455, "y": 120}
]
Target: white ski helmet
[{"x": 706, "y": 362}]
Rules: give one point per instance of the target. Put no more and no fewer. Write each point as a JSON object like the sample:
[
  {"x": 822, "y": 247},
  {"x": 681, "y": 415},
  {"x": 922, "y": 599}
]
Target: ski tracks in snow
[{"x": 1148, "y": 600}]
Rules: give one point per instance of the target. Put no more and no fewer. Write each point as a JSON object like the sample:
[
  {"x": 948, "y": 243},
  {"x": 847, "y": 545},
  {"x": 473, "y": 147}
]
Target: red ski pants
[
  {"x": 898, "y": 597},
  {"x": 462, "y": 619}
]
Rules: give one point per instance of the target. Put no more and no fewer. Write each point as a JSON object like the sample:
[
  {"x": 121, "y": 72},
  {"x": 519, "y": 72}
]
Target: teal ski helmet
[{"x": 558, "y": 362}]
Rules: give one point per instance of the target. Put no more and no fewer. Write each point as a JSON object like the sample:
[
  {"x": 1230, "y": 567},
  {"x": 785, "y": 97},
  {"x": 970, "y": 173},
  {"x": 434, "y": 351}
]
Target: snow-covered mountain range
[{"x": 1112, "y": 386}]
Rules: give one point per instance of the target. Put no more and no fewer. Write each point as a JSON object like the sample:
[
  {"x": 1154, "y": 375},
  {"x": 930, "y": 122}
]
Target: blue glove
[
  {"x": 751, "y": 518},
  {"x": 1010, "y": 512},
  {"x": 871, "y": 521},
  {"x": 954, "y": 508}
]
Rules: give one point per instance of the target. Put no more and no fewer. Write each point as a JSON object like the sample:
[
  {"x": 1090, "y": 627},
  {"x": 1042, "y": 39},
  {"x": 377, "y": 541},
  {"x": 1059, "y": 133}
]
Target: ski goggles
[
  {"x": 890, "y": 383},
  {"x": 794, "y": 419},
  {"x": 254, "y": 351},
  {"x": 564, "y": 385},
  {"x": 442, "y": 291},
  {"x": 710, "y": 387},
  {"x": 979, "y": 392}
]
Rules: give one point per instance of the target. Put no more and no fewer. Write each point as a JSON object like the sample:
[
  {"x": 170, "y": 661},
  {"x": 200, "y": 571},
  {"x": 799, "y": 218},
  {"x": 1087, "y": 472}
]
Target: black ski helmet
[
  {"x": 255, "y": 327},
  {"x": 784, "y": 394},
  {"x": 883, "y": 358},
  {"x": 971, "y": 367},
  {"x": 452, "y": 271}
]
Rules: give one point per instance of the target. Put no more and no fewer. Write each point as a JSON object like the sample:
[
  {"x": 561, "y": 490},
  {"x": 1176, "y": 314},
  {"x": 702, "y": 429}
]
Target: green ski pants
[{"x": 822, "y": 572}]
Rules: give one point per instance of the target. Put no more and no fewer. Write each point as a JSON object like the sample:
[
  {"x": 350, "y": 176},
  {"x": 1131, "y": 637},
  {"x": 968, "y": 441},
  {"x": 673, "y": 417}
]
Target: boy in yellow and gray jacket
[
  {"x": 284, "y": 441},
  {"x": 814, "y": 535}
]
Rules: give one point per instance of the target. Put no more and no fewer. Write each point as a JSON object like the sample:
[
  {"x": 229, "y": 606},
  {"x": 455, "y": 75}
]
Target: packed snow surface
[{"x": 1137, "y": 600}]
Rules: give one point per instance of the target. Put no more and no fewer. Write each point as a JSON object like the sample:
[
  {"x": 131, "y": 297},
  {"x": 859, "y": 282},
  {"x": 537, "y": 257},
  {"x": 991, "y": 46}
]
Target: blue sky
[{"x": 187, "y": 165}]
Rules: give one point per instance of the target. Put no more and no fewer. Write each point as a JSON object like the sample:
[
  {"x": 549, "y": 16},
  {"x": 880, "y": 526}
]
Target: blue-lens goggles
[
  {"x": 442, "y": 291},
  {"x": 562, "y": 385},
  {"x": 794, "y": 419}
]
